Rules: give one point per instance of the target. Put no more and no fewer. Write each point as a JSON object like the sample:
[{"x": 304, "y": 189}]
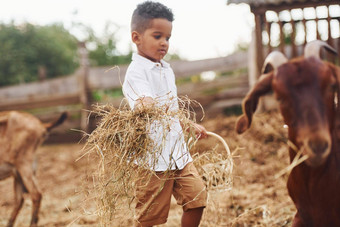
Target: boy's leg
[
  {"x": 192, "y": 217},
  {"x": 153, "y": 200},
  {"x": 190, "y": 192}
]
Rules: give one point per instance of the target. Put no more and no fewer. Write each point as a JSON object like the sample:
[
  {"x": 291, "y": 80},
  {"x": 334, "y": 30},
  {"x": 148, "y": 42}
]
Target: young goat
[
  {"x": 20, "y": 136},
  {"x": 308, "y": 91}
]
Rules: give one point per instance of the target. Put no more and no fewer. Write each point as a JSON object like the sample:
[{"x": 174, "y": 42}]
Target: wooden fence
[{"x": 73, "y": 93}]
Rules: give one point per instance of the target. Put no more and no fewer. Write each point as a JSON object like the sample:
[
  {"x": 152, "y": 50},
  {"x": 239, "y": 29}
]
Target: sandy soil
[{"x": 258, "y": 196}]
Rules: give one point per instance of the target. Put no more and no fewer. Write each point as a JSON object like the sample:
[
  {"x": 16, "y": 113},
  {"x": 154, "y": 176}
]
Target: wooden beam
[
  {"x": 106, "y": 77},
  {"x": 44, "y": 101},
  {"x": 231, "y": 62},
  {"x": 310, "y": 19},
  {"x": 52, "y": 87},
  {"x": 282, "y": 38},
  {"x": 259, "y": 45},
  {"x": 113, "y": 76},
  {"x": 293, "y": 35},
  {"x": 329, "y": 38},
  {"x": 268, "y": 26},
  {"x": 317, "y": 25},
  {"x": 84, "y": 94},
  {"x": 261, "y": 9},
  {"x": 304, "y": 21}
]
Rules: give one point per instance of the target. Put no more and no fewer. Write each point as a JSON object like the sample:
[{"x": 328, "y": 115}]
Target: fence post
[
  {"x": 252, "y": 64},
  {"x": 84, "y": 94}
]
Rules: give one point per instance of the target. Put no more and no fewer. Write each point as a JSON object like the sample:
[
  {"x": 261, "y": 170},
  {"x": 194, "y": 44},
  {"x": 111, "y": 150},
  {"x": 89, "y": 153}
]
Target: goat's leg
[
  {"x": 36, "y": 200},
  {"x": 6, "y": 170},
  {"x": 29, "y": 181},
  {"x": 19, "y": 199}
]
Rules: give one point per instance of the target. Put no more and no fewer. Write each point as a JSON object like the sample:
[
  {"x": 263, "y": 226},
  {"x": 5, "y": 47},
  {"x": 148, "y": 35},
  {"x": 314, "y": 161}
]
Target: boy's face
[{"x": 153, "y": 43}]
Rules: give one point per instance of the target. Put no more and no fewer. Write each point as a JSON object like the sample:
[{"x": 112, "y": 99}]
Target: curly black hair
[{"x": 147, "y": 11}]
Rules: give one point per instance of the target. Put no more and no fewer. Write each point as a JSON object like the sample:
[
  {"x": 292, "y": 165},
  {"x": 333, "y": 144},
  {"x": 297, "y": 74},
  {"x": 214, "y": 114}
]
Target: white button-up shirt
[{"x": 145, "y": 78}]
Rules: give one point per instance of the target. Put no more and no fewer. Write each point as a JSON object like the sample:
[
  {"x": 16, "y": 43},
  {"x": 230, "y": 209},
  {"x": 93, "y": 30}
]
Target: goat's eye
[
  {"x": 279, "y": 99},
  {"x": 333, "y": 87}
]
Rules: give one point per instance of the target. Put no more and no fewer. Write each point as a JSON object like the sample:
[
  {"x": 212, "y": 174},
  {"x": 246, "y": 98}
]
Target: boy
[{"x": 150, "y": 81}]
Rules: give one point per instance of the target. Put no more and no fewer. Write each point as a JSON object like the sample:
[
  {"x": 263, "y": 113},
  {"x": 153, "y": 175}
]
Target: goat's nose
[{"x": 318, "y": 146}]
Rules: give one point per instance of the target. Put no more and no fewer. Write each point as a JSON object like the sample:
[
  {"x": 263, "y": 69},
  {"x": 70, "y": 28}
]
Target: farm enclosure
[{"x": 258, "y": 198}]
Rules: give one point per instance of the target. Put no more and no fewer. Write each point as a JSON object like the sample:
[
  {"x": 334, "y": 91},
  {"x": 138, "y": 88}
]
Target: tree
[
  {"x": 27, "y": 48},
  {"x": 103, "y": 49},
  {"x": 106, "y": 53}
]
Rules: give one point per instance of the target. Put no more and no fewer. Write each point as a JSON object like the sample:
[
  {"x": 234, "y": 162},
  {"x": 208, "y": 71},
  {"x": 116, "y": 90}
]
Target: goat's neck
[
  {"x": 336, "y": 136},
  {"x": 336, "y": 129},
  {"x": 337, "y": 120}
]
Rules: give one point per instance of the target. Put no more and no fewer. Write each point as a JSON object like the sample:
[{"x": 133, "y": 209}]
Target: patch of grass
[
  {"x": 102, "y": 95},
  {"x": 240, "y": 71},
  {"x": 233, "y": 110}
]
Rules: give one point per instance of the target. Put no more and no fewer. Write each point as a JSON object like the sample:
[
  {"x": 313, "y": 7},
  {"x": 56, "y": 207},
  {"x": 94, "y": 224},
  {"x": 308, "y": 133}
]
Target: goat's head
[{"x": 307, "y": 89}]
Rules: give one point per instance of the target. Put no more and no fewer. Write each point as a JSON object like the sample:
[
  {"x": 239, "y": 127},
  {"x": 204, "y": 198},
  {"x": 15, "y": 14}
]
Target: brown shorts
[{"x": 154, "y": 197}]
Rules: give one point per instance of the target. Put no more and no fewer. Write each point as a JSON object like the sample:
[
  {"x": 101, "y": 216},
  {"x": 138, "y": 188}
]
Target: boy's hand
[
  {"x": 144, "y": 103},
  {"x": 200, "y": 131}
]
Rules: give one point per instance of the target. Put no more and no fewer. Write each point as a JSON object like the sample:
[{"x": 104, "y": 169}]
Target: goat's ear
[{"x": 250, "y": 102}]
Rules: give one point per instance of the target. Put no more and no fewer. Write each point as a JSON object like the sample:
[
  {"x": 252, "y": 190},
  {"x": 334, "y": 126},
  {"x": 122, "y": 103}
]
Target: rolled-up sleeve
[{"x": 136, "y": 86}]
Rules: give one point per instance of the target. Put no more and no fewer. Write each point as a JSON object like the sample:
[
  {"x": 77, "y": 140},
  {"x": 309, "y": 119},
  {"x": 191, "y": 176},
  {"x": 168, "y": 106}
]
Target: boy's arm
[
  {"x": 148, "y": 102},
  {"x": 200, "y": 130},
  {"x": 136, "y": 89}
]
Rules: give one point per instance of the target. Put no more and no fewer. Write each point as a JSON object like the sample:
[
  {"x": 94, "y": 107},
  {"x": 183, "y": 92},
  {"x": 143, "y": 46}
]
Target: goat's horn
[
  {"x": 273, "y": 61},
  {"x": 313, "y": 48}
]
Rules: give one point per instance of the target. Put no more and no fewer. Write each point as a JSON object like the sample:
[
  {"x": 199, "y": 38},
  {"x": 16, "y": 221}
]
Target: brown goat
[
  {"x": 20, "y": 135},
  {"x": 308, "y": 91}
]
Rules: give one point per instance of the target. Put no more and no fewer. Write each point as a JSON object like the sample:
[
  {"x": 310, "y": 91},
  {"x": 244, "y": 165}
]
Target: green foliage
[
  {"x": 172, "y": 57},
  {"x": 106, "y": 54},
  {"x": 235, "y": 72},
  {"x": 107, "y": 95},
  {"x": 25, "y": 48},
  {"x": 103, "y": 48},
  {"x": 235, "y": 110}
]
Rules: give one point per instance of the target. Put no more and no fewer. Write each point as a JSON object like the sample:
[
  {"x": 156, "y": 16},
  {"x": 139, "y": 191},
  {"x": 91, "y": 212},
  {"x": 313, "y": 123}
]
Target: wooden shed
[{"x": 287, "y": 25}]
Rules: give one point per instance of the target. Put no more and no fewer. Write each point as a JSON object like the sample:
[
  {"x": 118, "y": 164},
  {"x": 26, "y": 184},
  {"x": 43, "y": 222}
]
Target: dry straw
[
  {"x": 215, "y": 167},
  {"x": 121, "y": 141},
  {"x": 298, "y": 159}
]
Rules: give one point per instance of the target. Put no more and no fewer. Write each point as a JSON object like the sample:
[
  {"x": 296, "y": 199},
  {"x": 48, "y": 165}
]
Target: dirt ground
[{"x": 258, "y": 196}]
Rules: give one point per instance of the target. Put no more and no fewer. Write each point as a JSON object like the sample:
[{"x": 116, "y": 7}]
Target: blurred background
[
  {"x": 69, "y": 55},
  {"x": 55, "y": 55}
]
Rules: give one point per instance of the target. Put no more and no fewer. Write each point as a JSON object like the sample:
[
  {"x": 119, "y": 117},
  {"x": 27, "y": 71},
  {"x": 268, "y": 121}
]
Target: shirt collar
[{"x": 148, "y": 63}]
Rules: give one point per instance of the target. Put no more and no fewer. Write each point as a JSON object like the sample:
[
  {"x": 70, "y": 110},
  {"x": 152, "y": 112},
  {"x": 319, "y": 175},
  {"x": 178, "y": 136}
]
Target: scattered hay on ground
[{"x": 258, "y": 197}]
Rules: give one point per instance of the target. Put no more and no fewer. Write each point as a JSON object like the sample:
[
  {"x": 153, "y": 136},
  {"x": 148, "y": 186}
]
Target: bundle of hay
[{"x": 122, "y": 142}]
